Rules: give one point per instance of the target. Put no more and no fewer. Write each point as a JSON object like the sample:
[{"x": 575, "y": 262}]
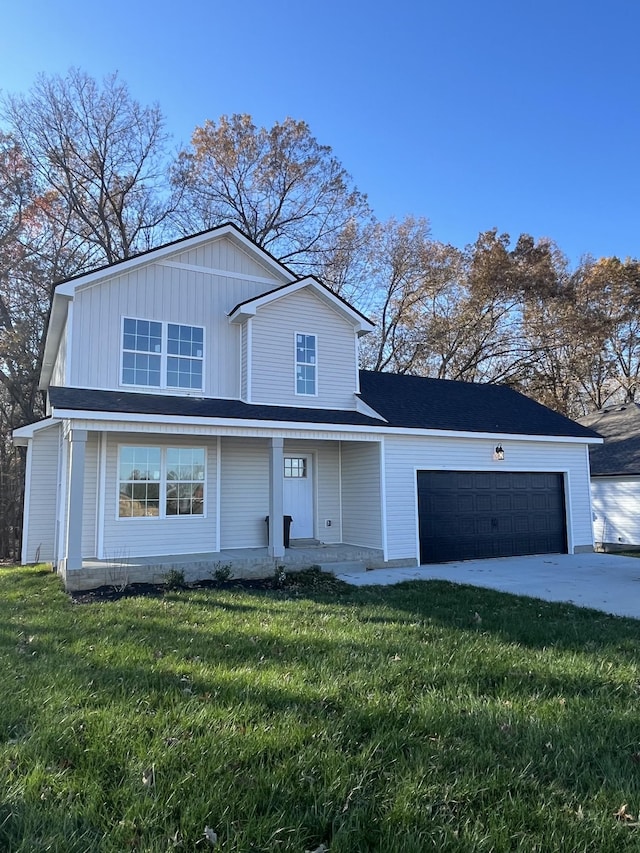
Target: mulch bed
[{"x": 111, "y": 593}]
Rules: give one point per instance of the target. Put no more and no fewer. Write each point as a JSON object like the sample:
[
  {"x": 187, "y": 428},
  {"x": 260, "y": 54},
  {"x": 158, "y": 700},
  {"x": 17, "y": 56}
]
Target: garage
[{"x": 467, "y": 515}]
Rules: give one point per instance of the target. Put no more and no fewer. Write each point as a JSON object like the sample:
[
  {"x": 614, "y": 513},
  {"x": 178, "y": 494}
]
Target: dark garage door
[{"x": 466, "y": 515}]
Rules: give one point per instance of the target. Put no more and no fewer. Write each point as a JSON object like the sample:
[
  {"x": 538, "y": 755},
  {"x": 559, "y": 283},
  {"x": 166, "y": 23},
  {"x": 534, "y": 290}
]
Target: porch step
[
  {"x": 347, "y": 567},
  {"x": 304, "y": 543}
]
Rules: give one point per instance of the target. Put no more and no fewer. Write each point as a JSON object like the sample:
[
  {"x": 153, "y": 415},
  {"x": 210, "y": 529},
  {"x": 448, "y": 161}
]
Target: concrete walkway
[{"x": 602, "y": 581}]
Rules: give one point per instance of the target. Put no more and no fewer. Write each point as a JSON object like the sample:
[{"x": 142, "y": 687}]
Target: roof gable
[
  {"x": 250, "y": 307},
  {"x": 260, "y": 266},
  {"x": 177, "y": 250}
]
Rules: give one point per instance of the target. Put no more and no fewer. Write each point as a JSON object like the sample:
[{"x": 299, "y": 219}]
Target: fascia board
[
  {"x": 55, "y": 328},
  {"x": 22, "y": 435},
  {"x": 238, "y": 423}
]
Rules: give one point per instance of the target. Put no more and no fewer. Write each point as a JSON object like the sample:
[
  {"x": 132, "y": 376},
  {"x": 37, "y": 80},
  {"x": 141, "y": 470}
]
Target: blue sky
[{"x": 520, "y": 116}]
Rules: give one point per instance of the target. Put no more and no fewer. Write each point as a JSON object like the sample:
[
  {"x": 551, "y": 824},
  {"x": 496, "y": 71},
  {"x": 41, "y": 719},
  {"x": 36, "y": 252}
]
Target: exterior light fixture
[{"x": 498, "y": 453}]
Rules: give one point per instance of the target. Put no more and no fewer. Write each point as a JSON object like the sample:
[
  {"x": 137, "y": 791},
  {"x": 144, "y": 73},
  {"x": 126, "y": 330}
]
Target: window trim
[
  {"x": 164, "y": 355},
  {"x": 304, "y": 363},
  {"x": 163, "y": 515}
]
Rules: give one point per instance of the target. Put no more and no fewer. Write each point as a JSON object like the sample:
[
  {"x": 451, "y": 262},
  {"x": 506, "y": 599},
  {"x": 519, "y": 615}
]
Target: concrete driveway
[{"x": 601, "y": 581}]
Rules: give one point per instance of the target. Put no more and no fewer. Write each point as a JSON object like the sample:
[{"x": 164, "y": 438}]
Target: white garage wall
[
  {"x": 616, "y": 501},
  {"x": 406, "y": 454}
]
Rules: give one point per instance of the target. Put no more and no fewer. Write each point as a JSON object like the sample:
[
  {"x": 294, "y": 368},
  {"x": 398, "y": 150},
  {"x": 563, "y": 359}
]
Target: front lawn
[{"x": 423, "y": 717}]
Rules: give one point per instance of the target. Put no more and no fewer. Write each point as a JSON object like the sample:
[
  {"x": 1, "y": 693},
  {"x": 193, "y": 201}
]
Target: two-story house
[{"x": 201, "y": 387}]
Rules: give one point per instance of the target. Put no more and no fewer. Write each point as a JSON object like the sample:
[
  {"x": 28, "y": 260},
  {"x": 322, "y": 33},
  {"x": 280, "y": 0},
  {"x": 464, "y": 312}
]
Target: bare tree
[
  {"x": 83, "y": 182},
  {"x": 280, "y": 186},
  {"x": 102, "y": 155}
]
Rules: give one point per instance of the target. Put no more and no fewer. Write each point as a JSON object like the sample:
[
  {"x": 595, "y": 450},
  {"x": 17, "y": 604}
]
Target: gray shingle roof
[
  {"x": 129, "y": 402},
  {"x": 413, "y": 401},
  {"x": 620, "y": 428},
  {"x": 408, "y": 402}
]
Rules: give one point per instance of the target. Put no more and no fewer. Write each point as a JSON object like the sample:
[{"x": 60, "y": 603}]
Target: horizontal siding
[
  {"x": 140, "y": 537},
  {"x": 244, "y": 493},
  {"x": 403, "y": 455},
  {"x": 326, "y": 473},
  {"x": 616, "y": 501},
  {"x": 166, "y": 294},
  {"x": 244, "y": 487},
  {"x": 361, "y": 494},
  {"x": 273, "y": 353},
  {"x": 43, "y": 491}
]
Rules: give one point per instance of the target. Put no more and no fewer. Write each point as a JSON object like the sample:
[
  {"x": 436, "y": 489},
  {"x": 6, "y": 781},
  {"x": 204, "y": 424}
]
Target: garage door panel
[
  {"x": 504, "y": 502},
  {"x": 465, "y": 503},
  {"x": 484, "y": 502},
  {"x": 469, "y": 515}
]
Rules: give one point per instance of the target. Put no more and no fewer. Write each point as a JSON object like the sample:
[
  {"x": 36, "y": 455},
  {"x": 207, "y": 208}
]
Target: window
[
  {"x": 139, "y": 482},
  {"x": 141, "y": 348},
  {"x": 305, "y": 364},
  {"x": 295, "y": 467},
  {"x": 158, "y": 482},
  {"x": 162, "y": 355},
  {"x": 185, "y": 481},
  {"x": 184, "y": 360}
]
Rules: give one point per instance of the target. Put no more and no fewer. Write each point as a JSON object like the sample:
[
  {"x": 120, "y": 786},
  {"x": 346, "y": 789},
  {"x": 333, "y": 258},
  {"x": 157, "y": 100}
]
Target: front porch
[{"x": 120, "y": 571}]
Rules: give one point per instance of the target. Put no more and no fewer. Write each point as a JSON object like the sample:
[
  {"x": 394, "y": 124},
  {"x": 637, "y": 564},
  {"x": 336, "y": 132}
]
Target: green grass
[{"x": 386, "y": 719}]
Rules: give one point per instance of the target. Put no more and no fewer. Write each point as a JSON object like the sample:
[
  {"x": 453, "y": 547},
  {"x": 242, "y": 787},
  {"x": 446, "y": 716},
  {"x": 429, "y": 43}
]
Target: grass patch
[{"x": 420, "y": 717}]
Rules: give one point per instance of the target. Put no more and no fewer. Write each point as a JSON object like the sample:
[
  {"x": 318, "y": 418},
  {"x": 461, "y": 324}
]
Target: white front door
[{"x": 298, "y": 495}]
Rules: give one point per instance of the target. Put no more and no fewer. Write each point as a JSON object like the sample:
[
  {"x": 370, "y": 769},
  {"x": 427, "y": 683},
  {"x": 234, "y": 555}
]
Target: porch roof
[{"x": 127, "y": 402}]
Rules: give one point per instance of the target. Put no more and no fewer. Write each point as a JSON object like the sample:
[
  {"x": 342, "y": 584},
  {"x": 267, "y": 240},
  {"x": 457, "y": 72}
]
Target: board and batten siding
[
  {"x": 361, "y": 494},
  {"x": 148, "y": 537},
  {"x": 167, "y": 294},
  {"x": 404, "y": 455},
  {"x": 222, "y": 253},
  {"x": 616, "y": 520},
  {"x": 273, "y": 372},
  {"x": 326, "y": 485},
  {"x": 42, "y": 488}
]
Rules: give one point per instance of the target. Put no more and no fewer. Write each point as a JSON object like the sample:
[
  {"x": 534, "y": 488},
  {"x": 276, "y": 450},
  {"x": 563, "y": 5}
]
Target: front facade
[{"x": 201, "y": 388}]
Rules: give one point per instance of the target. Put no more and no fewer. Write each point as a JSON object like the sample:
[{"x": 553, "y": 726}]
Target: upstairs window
[
  {"x": 162, "y": 355},
  {"x": 306, "y": 379},
  {"x": 185, "y": 349},
  {"x": 141, "y": 352}
]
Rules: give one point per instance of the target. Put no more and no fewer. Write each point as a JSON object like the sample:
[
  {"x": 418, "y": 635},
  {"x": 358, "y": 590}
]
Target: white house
[
  {"x": 200, "y": 387},
  {"x": 615, "y": 477}
]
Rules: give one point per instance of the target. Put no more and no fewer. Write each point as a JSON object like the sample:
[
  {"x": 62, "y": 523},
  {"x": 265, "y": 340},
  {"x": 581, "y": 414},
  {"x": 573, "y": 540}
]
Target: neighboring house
[
  {"x": 615, "y": 476},
  {"x": 200, "y": 387}
]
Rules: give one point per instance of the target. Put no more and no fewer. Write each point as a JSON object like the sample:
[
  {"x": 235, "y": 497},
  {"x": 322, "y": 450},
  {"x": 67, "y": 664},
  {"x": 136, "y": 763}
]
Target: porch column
[
  {"x": 75, "y": 498},
  {"x": 276, "y": 497}
]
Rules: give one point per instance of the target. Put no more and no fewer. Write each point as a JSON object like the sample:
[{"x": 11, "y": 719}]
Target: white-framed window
[
  {"x": 162, "y": 355},
  {"x": 306, "y": 364},
  {"x": 161, "y": 482}
]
